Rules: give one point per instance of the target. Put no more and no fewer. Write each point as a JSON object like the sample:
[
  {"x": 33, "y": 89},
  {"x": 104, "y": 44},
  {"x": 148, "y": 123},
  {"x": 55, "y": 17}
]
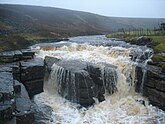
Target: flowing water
[{"x": 122, "y": 107}]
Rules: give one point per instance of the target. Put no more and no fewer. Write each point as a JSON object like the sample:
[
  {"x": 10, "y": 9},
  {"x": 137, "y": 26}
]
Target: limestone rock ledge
[{"x": 21, "y": 77}]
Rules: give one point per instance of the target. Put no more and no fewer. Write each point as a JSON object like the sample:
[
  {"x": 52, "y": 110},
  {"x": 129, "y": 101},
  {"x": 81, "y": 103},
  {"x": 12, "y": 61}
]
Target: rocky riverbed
[{"x": 85, "y": 80}]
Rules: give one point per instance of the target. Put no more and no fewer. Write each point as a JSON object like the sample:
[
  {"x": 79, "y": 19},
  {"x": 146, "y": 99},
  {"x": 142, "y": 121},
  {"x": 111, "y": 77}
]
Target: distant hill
[{"x": 55, "y": 21}]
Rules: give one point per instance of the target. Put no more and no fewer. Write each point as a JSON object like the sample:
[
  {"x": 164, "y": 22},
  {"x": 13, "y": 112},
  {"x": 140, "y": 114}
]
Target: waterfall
[
  {"x": 144, "y": 56},
  {"x": 88, "y": 73}
]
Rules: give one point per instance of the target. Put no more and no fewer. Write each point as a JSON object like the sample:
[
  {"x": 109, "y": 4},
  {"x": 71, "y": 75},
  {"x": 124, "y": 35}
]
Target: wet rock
[
  {"x": 17, "y": 87},
  {"x": 43, "y": 114},
  {"x": 80, "y": 81},
  {"x": 139, "y": 77},
  {"x": 16, "y": 69},
  {"x": 34, "y": 87},
  {"x": 24, "y": 109},
  {"x": 32, "y": 75},
  {"x": 95, "y": 73},
  {"x": 86, "y": 102},
  {"x": 6, "y": 86},
  {"x": 49, "y": 61},
  {"x": 110, "y": 78},
  {"x": 15, "y": 104},
  {"x": 154, "y": 85},
  {"x": 32, "y": 69},
  {"x": 6, "y": 68},
  {"x": 7, "y": 103},
  {"x": 6, "y": 110},
  {"x": 74, "y": 82},
  {"x": 17, "y": 55},
  {"x": 141, "y": 101},
  {"x": 83, "y": 79},
  {"x": 155, "y": 97},
  {"x": 13, "y": 56},
  {"x": 27, "y": 54},
  {"x": 7, "y": 57}
]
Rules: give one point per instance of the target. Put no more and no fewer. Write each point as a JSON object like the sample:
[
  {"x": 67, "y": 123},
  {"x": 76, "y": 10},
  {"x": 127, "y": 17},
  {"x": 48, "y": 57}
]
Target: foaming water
[{"x": 122, "y": 107}]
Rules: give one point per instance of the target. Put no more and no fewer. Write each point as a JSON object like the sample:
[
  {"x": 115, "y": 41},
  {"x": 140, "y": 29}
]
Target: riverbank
[
  {"x": 23, "y": 41},
  {"x": 157, "y": 43},
  {"x": 152, "y": 77}
]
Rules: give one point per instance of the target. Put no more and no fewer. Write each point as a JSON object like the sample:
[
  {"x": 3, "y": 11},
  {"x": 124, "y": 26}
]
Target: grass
[
  {"x": 158, "y": 43},
  {"x": 13, "y": 42},
  {"x": 158, "y": 58},
  {"x": 20, "y": 41}
]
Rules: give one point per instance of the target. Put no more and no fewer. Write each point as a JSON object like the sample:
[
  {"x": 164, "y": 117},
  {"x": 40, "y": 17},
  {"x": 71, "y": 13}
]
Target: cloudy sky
[{"x": 117, "y": 8}]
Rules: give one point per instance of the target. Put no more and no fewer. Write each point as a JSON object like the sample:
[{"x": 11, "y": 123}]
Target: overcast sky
[{"x": 117, "y": 8}]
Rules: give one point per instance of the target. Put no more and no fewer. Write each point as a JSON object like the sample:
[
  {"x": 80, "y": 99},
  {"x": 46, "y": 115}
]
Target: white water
[{"x": 119, "y": 108}]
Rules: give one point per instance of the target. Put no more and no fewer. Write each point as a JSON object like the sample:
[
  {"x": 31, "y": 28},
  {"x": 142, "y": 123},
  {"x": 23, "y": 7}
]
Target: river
[{"x": 122, "y": 107}]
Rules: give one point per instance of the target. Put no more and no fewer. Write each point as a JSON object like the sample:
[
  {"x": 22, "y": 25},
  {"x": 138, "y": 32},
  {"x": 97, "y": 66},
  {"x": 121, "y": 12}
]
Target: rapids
[{"x": 122, "y": 107}]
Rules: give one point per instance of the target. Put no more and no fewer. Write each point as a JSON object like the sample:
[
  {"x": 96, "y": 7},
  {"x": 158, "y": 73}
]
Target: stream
[{"x": 124, "y": 106}]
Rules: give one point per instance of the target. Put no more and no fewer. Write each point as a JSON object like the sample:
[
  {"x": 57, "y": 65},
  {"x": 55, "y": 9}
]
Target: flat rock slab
[
  {"x": 17, "y": 55},
  {"x": 27, "y": 54},
  {"x": 7, "y": 56},
  {"x": 73, "y": 65},
  {"x": 5, "y": 68},
  {"x": 32, "y": 69}
]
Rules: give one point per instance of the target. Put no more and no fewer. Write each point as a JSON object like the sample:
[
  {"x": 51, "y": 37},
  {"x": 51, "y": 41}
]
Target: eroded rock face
[
  {"x": 154, "y": 85},
  {"x": 31, "y": 74},
  {"x": 15, "y": 104},
  {"x": 24, "y": 109},
  {"x": 7, "y": 101},
  {"x": 81, "y": 82}
]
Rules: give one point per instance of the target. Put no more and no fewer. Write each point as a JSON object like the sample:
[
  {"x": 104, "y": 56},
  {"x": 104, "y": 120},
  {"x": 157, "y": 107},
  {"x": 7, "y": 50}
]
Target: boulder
[{"x": 80, "y": 81}]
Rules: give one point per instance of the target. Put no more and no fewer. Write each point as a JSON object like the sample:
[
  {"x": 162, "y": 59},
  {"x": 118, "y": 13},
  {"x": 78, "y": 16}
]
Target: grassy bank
[
  {"x": 156, "y": 42},
  {"x": 24, "y": 40}
]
